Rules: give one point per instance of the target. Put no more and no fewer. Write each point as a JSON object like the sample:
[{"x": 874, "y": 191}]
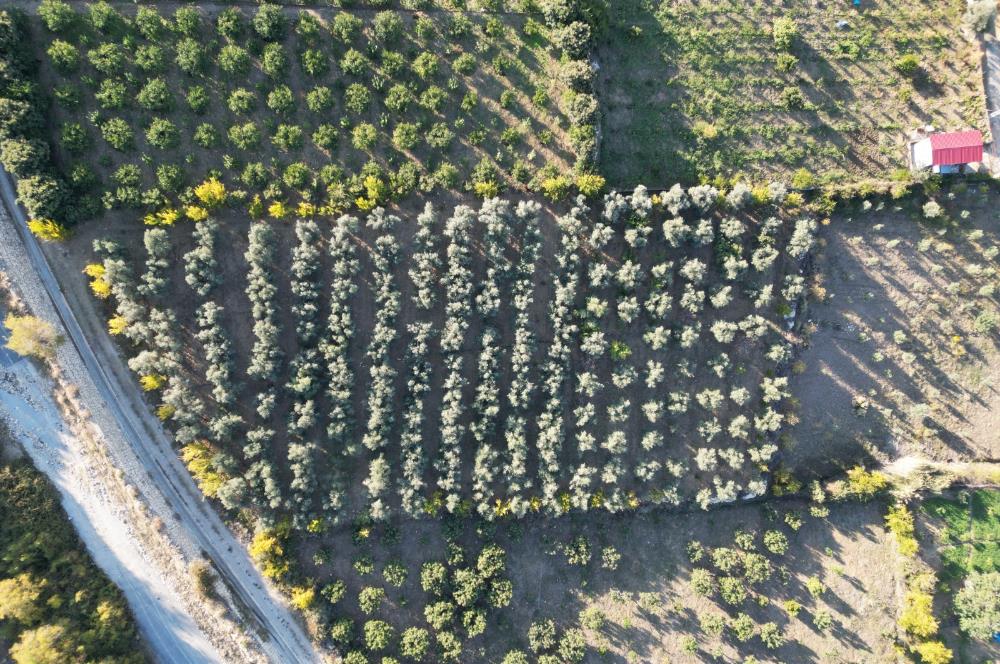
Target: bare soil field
[{"x": 902, "y": 355}]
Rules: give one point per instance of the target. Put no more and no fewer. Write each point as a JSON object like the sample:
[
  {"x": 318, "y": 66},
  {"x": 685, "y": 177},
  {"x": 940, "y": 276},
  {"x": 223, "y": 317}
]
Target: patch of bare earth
[{"x": 903, "y": 353}]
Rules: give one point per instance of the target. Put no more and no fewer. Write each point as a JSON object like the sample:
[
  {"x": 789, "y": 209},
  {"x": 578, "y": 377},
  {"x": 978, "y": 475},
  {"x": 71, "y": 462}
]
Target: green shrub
[
  {"x": 363, "y": 136},
  {"x": 325, "y": 136},
  {"x": 439, "y": 614},
  {"x": 732, "y": 590},
  {"x": 464, "y": 64},
  {"x": 187, "y": 21},
  {"x": 281, "y": 100},
  {"x": 149, "y": 23},
  {"x": 241, "y": 101},
  {"x": 357, "y": 98},
  {"x": 378, "y": 634},
  {"x": 107, "y": 58},
  {"x": 414, "y": 643},
  {"x": 542, "y": 635},
  {"x": 162, "y": 133},
  {"x": 439, "y": 136},
  {"x": 190, "y": 56},
  {"x": 743, "y": 627},
  {"x": 197, "y": 99},
  {"x": 64, "y": 56},
  {"x": 785, "y": 32},
  {"x": 394, "y": 574},
  {"x": 387, "y": 26},
  {"x": 572, "y": 646},
  {"x": 58, "y": 16},
  {"x": 74, "y": 138},
  {"x": 297, "y": 176},
  {"x": 254, "y": 175},
  {"x": 908, "y": 64},
  {"x": 103, "y": 17},
  {"x": 449, "y": 647},
  {"x": 572, "y": 39},
  {"x": 426, "y": 65},
  {"x": 288, "y": 137},
  {"x": 398, "y": 98},
  {"x": 341, "y": 630},
  {"x": 269, "y": 22},
  {"x": 41, "y": 195},
  {"x": 244, "y": 136},
  {"x": 433, "y": 98},
  {"x": 353, "y": 63},
  {"x": 771, "y": 636},
  {"x": 314, "y": 62},
  {"x": 206, "y": 135},
  {"x": 118, "y": 133},
  {"x": 977, "y": 605},
  {"x": 112, "y": 94},
  {"x": 369, "y": 599},
  {"x": 792, "y": 98},
  {"x": 155, "y": 95},
  {"x": 274, "y": 62},
  {"x": 346, "y": 27},
  {"x": 229, "y": 23},
  {"x": 169, "y": 177},
  {"x": 150, "y": 58},
  {"x": 234, "y": 60},
  {"x": 986, "y": 322},
  {"x": 433, "y": 578},
  {"x": 319, "y": 99}
]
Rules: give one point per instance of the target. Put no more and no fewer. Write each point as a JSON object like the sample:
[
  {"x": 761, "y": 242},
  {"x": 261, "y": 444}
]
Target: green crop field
[{"x": 695, "y": 90}]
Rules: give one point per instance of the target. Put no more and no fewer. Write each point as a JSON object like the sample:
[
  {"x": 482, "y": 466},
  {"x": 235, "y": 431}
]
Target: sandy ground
[{"x": 100, "y": 519}]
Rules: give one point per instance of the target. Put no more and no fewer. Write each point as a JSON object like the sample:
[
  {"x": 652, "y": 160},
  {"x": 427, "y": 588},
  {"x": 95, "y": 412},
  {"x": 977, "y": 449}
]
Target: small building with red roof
[{"x": 947, "y": 152}]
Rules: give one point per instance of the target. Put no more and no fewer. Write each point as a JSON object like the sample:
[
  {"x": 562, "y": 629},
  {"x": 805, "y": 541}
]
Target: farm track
[
  {"x": 991, "y": 74},
  {"x": 283, "y": 639}
]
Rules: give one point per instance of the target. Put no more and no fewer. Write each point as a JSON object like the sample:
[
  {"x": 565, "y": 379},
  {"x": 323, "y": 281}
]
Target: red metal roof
[{"x": 960, "y": 147}]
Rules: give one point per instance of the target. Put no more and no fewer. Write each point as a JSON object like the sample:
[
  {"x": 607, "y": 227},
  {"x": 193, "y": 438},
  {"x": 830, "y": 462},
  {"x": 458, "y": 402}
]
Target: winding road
[{"x": 282, "y": 638}]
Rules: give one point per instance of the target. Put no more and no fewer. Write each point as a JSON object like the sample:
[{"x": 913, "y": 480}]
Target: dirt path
[
  {"x": 140, "y": 448},
  {"x": 102, "y": 523},
  {"x": 991, "y": 75}
]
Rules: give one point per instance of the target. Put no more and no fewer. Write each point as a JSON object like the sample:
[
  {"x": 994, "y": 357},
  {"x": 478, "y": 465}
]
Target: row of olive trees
[
  {"x": 497, "y": 219},
  {"x": 336, "y": 352},
  {"x": 551, "y": 422},
  {"x": 424, "y": 275},
  {"x": 381, "y": 397},
  {"x": 307, "y": 371},
  {"x": 458, "y": 287},
  {"x": 522, "y": 388}
]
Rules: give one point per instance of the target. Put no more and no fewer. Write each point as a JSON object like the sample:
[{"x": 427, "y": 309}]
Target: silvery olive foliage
[
  {"x": 201, "y": 268},
  {"x": 458, "y": 287},
  {"x": 382, "y": 374},
  {"x": 505, "y": 360},
  {"x": 266, "y": 356}
]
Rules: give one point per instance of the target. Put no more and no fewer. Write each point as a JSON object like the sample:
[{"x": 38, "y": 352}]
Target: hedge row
[
  {"x": 24, "y": 150},
  {"x": 574, "y": 25}
]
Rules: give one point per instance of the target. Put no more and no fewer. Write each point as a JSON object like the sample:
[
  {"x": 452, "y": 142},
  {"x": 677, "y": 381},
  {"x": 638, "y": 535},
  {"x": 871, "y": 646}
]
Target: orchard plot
[{"x": 501, "y": 360}]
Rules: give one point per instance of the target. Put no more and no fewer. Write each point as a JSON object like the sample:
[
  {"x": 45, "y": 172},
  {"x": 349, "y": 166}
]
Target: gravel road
[{"x": 141, "y": 449}]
